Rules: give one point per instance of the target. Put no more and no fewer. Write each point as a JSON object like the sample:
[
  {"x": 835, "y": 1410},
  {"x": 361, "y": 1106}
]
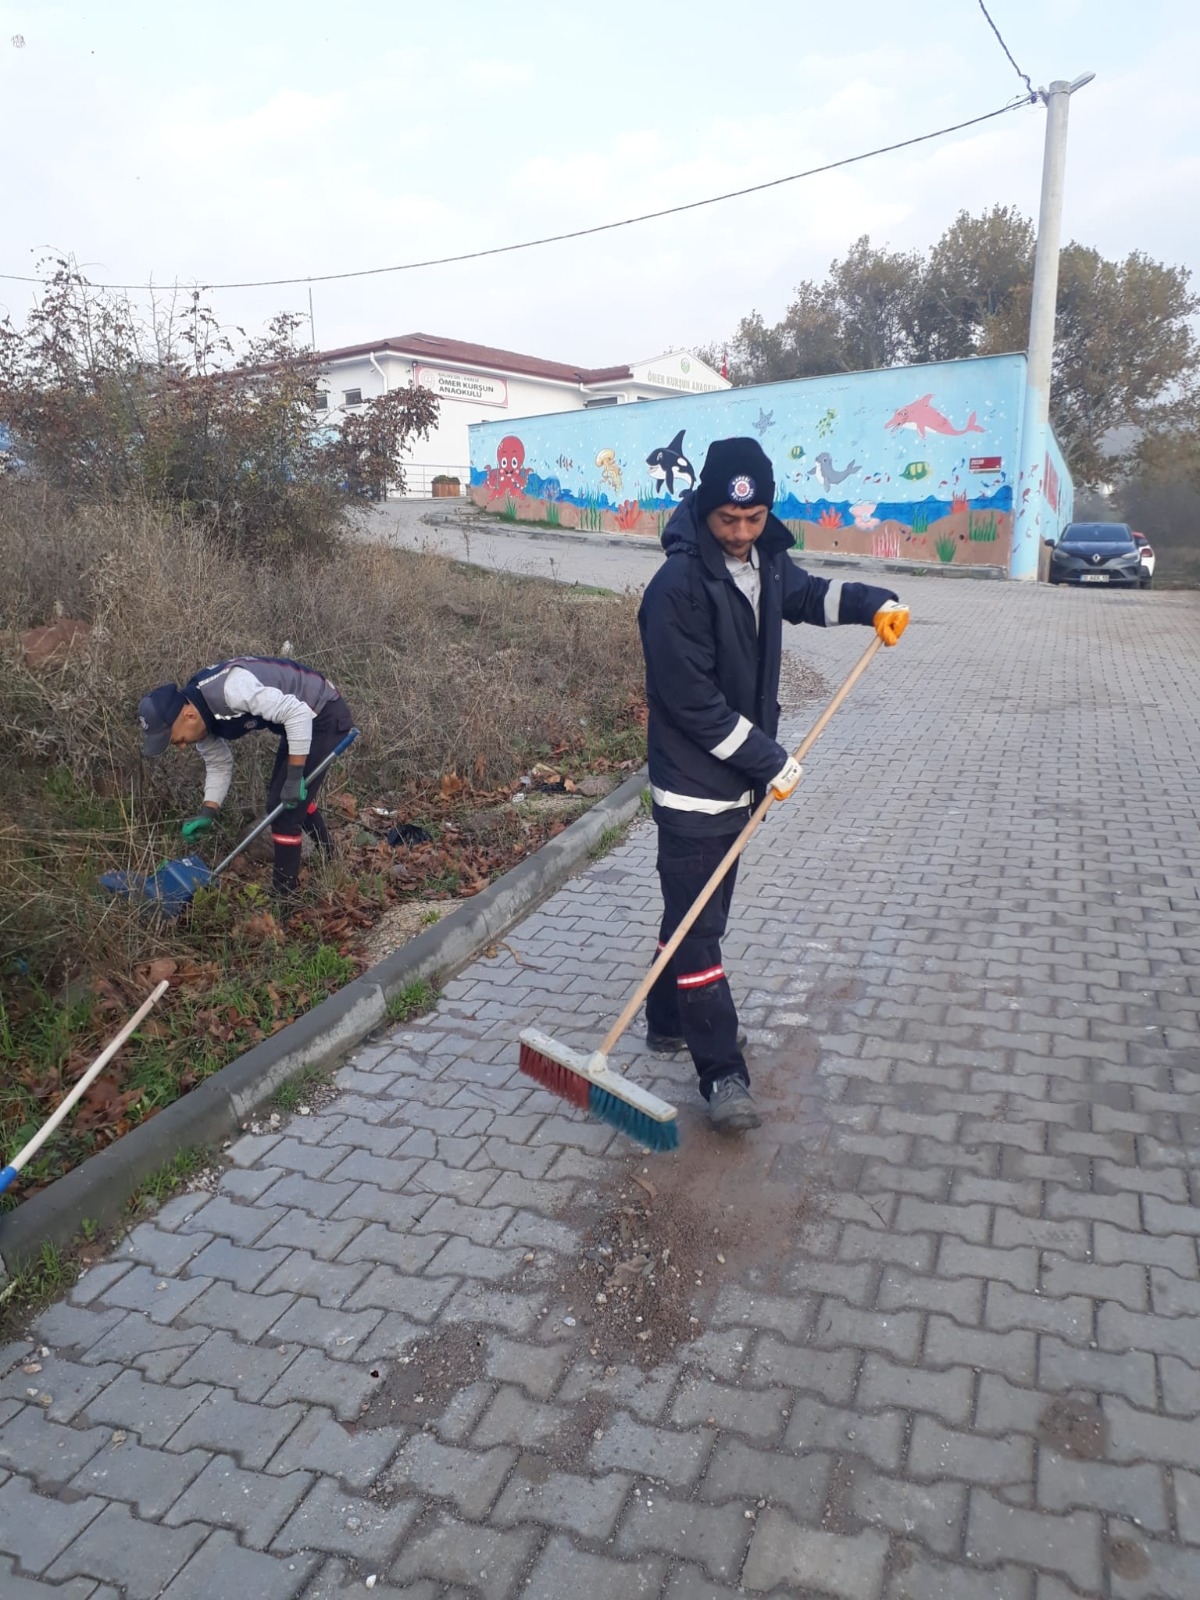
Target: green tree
[
  {"x": 975, "y": 272},
  {"x": 1125, "y": 354},
  {"x": 103, "y": 401},
  {"x": 1160, "y": 496}
]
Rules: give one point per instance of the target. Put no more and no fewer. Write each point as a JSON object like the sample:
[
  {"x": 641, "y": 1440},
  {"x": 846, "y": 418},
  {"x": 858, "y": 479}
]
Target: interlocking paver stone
[
  {"x": 354, "y": 1456},
  {"x": 148, "y": 1480},
  {"x": 784, "y": 1554},
  {"x": 14, "y": 1586},
  {"x": 254, "y": 1505},
  {"x": 222, "y": 1567},
  {"x": 139, "y": 1557},
  {"x": 563, "y": 1570},
  {"x": 587, "y": 1507},
  {"x": 972, "y": 1016},
  {"x": 35, "y": 1529},
  {"x": 330, "y": 1519},
  {"x": 483, "y": 1561}
]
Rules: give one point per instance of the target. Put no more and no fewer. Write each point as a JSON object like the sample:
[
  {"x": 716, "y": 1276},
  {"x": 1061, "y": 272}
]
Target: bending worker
[
  {"x": 245, "y": 695},
  {"x": 711, "y": 626}
]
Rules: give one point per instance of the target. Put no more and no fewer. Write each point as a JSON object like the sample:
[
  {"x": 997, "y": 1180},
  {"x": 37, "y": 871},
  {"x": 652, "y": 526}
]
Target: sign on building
[{"x": 474, "y": 387}]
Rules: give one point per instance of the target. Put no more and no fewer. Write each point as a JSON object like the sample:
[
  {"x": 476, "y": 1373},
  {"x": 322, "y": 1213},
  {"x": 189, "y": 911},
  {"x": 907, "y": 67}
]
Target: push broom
[{"x": 588, "y": 1081}]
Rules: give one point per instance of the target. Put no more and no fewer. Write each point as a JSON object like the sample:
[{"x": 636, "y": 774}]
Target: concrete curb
[{"x": 98, "y": 1189}]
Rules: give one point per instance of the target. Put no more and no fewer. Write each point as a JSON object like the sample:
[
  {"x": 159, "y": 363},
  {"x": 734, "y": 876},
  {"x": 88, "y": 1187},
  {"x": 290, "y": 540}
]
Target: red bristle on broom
[{"x": 554, "y": 1076}]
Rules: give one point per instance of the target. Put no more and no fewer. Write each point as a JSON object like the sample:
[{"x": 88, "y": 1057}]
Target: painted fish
[
  {"x": 916, "y": 470},
  {"x": 797, "y": 452},
  {"x": 564, "y": 463}
]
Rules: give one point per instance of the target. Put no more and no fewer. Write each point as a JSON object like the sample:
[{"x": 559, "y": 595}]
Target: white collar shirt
[{"x": 747, "y": 577}]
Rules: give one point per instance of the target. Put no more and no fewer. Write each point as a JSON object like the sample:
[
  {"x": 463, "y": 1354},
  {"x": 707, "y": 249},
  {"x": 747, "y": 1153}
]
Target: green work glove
[
  {"x": 295, "y": 790},
  {"x": 196, "y": 825}
]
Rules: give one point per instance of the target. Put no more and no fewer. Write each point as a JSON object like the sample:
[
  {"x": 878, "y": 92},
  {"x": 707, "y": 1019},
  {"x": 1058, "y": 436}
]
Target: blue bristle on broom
[
  {"x": 660, "y": 1136},
  {"x": 590, "y": 1083}
]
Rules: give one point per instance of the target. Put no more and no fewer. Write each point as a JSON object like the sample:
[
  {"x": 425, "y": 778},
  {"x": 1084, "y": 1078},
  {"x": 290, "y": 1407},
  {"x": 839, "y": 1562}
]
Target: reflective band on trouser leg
[
  {"x": 288, "y": 838},
  {"x": 700, "y": 980}
]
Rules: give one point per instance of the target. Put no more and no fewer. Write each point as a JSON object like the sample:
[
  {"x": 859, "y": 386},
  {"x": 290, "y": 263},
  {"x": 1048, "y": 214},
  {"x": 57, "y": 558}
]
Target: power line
[
  {"x": 1000, "y": 37},
  {"x": 576, "y": 233}
]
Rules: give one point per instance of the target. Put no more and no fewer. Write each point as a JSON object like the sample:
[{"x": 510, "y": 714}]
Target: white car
[{"x": 1146, "y": 551}]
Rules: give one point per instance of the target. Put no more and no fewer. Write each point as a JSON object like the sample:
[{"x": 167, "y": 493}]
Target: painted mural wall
[
  {"x": 914, "y": 463},
  {"x": 1058, "y": 492}
]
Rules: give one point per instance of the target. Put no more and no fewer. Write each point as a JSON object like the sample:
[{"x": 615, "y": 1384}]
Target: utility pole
[{"x": 1028, "y": 520}]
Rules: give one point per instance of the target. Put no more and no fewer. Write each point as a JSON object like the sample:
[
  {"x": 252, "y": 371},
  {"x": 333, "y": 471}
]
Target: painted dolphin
[
  {"x": 925, "y": 419},
  {"x": 668, "y": 462},
  {"x": 829, "y": 474}
]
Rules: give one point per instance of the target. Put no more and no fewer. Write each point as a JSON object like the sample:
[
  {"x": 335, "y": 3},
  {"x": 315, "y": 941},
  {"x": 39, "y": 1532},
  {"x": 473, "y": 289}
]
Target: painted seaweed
[{"x": 591, "y": 514}]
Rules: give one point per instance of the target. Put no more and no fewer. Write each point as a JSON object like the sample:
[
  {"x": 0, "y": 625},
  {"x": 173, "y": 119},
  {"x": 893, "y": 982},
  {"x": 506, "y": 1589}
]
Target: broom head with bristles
[{"x": 590, "y": 1083}]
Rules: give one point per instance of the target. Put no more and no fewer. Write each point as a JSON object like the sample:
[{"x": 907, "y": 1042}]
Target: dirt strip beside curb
[{"x": 98, "y": 1189}]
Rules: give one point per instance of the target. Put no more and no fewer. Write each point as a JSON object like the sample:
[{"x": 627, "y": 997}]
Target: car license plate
[{"x": 1093, "y": 577}]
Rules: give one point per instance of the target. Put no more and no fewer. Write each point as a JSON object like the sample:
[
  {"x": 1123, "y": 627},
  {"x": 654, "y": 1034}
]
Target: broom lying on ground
[{"x": 588, "y": 1081}]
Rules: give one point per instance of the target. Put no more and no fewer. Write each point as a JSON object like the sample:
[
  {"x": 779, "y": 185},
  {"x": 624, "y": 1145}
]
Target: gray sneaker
[{"x": 731, "y": 1107}]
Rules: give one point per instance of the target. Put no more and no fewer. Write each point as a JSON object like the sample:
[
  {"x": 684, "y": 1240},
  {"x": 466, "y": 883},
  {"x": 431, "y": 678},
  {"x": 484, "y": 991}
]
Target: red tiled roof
[{"x": 428, "y": 347}]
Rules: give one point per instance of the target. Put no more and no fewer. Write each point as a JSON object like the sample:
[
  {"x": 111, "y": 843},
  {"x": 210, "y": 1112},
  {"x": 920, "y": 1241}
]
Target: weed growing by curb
[
  {"x": 411, "y": 1001},
  {"x": 608, "y": 840},
  {"x": 35, "y": 1286},
  {"x": 162, "y": 1183}
]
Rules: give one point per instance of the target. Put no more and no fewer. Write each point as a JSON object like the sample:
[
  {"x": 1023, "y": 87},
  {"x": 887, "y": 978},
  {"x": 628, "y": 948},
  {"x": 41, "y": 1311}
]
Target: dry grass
[{"x": 447, "y": 670}]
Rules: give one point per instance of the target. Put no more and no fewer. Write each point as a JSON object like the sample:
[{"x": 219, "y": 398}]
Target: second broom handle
[{"x": 735, "y": 849}]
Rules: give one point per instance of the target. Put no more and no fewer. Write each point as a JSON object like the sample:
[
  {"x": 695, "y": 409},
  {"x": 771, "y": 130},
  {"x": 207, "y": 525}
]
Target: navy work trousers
[
  {"x": 692, "y": 998},
  {"x": 330, "y": 726}
]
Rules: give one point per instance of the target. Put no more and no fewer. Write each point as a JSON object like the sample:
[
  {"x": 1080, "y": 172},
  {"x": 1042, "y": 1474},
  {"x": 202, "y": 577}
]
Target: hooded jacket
[{"x": 712, "y": 676}]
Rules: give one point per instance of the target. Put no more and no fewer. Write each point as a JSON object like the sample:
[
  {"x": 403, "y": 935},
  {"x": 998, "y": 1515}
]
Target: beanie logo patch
[{"x": 741, "y": 489}]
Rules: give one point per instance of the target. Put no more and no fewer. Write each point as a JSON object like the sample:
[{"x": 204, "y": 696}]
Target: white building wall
[{"x": 502, "y": 395}]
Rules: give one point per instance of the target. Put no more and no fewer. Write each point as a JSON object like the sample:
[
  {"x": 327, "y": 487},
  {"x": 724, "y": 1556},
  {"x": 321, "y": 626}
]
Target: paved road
[
  {"x": 612, "y": 562},
  {"x": 929, "y": 1334}
]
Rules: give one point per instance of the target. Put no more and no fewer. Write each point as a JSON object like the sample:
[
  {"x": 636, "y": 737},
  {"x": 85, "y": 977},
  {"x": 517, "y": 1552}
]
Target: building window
[
  {"x": 600, "y": 400},
  {"x": 322, "y": 400},
  {"x": 352, "y": 397}
]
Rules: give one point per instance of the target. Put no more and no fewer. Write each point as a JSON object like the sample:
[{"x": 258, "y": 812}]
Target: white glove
[{"x": 786, "y": 779}]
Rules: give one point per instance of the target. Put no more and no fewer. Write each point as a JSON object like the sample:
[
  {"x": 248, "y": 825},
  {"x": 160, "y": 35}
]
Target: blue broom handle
[
  {"x": 9, "y": 1173},
  {"x": 271, "y": 815}
]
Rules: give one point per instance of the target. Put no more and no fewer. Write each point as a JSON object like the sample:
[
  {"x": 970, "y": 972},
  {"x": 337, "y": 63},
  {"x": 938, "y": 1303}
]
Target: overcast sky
[{"x": 222, "y": 141}]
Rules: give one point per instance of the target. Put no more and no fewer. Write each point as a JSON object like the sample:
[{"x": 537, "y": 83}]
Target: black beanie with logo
[{"x": 736, "y": 472}]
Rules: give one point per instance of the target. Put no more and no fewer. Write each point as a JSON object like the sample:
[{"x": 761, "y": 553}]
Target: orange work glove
[{"x": 890, "y": 621}]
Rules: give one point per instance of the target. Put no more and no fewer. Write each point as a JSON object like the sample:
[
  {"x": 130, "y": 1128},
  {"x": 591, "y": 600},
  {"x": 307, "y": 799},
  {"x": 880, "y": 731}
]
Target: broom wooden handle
[
  {"x": 663, "y": 958},
  {"x": 48, "y": 1127}
]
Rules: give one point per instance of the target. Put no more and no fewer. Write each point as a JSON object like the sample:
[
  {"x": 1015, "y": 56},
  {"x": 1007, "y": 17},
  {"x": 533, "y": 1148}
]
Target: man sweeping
[
  {"x": 711, "y": 626},
  {"x": 245, "y": 695}
]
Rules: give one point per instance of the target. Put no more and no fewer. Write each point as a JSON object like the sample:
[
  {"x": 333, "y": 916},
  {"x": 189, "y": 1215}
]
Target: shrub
[{"x": 102, "y": 401}]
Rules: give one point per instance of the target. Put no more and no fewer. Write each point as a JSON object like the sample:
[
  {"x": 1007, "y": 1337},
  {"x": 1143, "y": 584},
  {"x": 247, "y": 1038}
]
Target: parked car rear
[
  {"x": 1096, "y": 552},
  {"x": 1146, "y": 551}
]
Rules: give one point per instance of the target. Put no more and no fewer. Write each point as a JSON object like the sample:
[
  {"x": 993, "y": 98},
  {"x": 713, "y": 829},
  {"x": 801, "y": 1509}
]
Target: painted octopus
[{"x": 510, "y": 474}]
